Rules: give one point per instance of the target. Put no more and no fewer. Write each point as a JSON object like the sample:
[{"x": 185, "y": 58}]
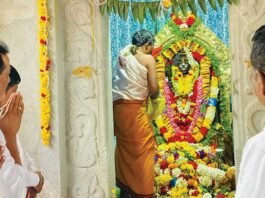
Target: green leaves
[
  {"x": 183, "y": 6},
  {"x": 140, "y": 9},
  {"x": 192, "y": 6},
  {"x": 141, "y": 12},
  {"x": 221, "y": 3},
  {"x": 213, "y": 4},
  {"x": 202, "y": 4}
]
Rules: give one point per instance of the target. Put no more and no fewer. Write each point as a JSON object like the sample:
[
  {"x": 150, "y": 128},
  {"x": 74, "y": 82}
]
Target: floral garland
[
  {"x": 168, "y": 122},
  {"x": 45, "y": 64},
  {"x": 183, "y": 23}
]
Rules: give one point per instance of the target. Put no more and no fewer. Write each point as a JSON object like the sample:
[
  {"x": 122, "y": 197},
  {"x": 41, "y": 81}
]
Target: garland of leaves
[{"x": 140, "y": 9}]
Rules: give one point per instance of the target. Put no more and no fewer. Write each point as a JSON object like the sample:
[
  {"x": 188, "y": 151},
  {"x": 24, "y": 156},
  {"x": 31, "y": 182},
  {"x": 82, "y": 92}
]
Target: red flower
[
  {"x": 204, "y": 131},
  {"x": 178, "y": 21},
  {"x": 194, "y": 164},
  {"x": 163, "y": 165},
  {"x": 172, "y": 100},
  {"x": 163, "y": 130},
  {"x": 190, "y": 21},
  {"x": 220, "y": 196},
  {"x": 43, "y": 18},
  {"x": 212, "y": 73},
  {"x": 195, "y": 193},
  {"x": 48, "y": 62},
  {"x": 43, "y": 42},
  {"x": 163, "y": 190},
  {"x": 197, "y": 56},
  {"x": 156, "y": 51}
]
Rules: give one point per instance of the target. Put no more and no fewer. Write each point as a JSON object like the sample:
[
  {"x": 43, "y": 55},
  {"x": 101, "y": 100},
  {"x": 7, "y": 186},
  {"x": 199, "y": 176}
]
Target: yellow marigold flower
[
  {"x": 198, "y": 137},
  {"x": 167, "y": 135},
  {"x": 45, "y": 137},
  {"x": 170, "y": 159},
  {"x": 159, "y": 122}
]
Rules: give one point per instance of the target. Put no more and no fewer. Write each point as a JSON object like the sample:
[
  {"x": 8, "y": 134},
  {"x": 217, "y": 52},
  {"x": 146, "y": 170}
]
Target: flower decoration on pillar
[
  {"x": 83, "y": 71},
  {"x": 45, "y": 64}
]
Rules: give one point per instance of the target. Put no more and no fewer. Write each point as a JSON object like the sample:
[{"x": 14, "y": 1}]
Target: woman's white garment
[
  {"x": 129, "y": 78},
  {"x": 252, "y": 169},
  {"x": 14, "y": 179}
]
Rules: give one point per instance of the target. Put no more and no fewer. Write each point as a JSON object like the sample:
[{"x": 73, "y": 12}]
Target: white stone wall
[{"x": 248, "y": 113}]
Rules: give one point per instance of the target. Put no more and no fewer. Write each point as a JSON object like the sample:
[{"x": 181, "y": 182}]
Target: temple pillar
[
  {"x": 89, "y": 131},
  {"x": 247, "y": 111}
]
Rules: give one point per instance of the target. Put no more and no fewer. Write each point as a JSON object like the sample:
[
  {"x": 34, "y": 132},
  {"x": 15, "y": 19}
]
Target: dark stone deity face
[{"x": 181, "y": 61}]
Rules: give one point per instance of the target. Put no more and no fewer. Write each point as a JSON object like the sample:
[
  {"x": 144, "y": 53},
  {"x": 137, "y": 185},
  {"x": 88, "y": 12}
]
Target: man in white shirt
[
  {"x": 13, "y": 177},
  {"x": 252, "y": 167},
  {"x": 26, "y": 161}
]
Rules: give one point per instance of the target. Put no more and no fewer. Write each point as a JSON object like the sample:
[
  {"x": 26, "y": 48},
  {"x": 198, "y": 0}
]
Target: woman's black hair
[
  {"x": 14, "y": 77},
  {"x": 3, "y": 51},
  {"x": 142, "y": 37},
  {"x": 257, "y": 55}
]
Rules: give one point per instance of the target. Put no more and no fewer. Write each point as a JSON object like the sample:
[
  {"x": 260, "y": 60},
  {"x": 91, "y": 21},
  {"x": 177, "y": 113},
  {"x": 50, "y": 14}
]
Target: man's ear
[
  {"x": 260, "y": 78},
  {"x": 146, "y": 46}
]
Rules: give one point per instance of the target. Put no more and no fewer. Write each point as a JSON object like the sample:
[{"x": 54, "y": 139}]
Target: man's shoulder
[
  {"x": 148, "y": 58},
  {"x": 257, "y": 140}
]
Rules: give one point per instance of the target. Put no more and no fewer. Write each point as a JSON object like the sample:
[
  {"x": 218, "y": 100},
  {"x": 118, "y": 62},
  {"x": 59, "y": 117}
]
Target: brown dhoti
[{"x": 135, "y": 149}]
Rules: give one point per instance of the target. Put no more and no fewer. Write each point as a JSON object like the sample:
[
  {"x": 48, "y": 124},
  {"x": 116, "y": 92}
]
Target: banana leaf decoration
[
  {"x": 120, "y": 9},
  {"x": 126, "y": 10},
  {"x": 140, "y": 9},
  {"x": 115, "y": 6},
  {"x": 202, "y": 4},
  {"x": 192, "y": 6},
  {"x": 213, "y": 4},
  {"x": 175, "y": 6},
  {"x": 221, "y": 3},
  {"x": 153, "y": 9},
  {"x": 134, "y": 6},
  {"x": 183, "y": 6},
  {"x": 141, "y": 12},
  {"x": 109, "y": 6}
]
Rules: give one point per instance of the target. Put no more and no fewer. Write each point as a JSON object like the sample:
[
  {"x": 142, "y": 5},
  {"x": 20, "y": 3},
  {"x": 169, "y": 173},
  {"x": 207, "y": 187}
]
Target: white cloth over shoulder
[
  {"x": 252, "y": 169},
  {"x": 129, "y": 78},
  {"x": 14, "y": 179}
]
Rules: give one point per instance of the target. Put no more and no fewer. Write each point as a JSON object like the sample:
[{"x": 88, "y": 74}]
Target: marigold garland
[
  {"x": 45, "y": 64},
  {"x": 204, "y": 93}
]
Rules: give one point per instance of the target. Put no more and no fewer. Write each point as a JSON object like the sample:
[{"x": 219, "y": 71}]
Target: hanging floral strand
[{"x": 45, "y": 63}]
